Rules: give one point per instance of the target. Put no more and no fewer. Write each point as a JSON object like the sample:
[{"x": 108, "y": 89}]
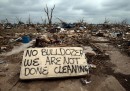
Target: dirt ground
[{"x": 110, "y": 75}]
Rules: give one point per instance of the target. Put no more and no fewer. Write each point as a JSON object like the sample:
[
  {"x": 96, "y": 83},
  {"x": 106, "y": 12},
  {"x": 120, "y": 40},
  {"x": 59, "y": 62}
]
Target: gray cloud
[{"x": 93, "y": 11}]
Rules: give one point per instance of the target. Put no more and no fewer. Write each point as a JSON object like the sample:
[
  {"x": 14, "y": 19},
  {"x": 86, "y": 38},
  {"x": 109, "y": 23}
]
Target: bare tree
[
  {"x": 61, "y": 20},
  {"x": 7, "y": 20},
  {"x": 19, "y": 21},
  {"x": 3, "y": 21},
  {"x": 124, "y": 22},
  {"x": 43, "y": 20},
  {"x": 81, "y": 21},
  {"x": 106, "y": 21},
  {"x": 29, "y": 20},
  {"x": 49, "y": 15}
]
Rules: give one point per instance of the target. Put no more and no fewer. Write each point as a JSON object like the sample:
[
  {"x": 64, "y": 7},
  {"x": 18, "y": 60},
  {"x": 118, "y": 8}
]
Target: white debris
[{"x": 18, "y": 49}]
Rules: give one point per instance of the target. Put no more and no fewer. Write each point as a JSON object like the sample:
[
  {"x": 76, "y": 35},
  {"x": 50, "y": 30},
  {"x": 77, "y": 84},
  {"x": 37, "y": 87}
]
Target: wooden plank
[{"x": 53, "y": 62}]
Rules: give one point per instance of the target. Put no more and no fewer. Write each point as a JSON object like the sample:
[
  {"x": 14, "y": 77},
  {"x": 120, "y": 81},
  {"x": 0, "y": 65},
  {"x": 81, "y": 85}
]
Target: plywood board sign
[{"x": 53, "y": 62}]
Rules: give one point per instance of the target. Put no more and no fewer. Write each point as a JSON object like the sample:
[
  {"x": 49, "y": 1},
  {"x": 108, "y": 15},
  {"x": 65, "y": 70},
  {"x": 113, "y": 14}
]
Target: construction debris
[
  {"x": 90, "y": 37},
  {"x": 84, "y": 81}
]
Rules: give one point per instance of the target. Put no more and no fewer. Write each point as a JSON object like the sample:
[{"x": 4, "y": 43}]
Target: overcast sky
[{"x": 92, "y": 11}]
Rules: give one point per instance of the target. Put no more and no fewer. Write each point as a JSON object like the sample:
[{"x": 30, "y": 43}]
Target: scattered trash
[
  {"x": 92, "y": 66},
  {"x": 25, "y": 39},
  {"x": 126, "y": 80},
  {"x": 84, "y": 81},
  {"x": 1, "y": 62}
]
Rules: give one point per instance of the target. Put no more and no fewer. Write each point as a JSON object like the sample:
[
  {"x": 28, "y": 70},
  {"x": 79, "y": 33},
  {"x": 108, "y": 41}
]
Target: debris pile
[{"x": 87, "y": 36}]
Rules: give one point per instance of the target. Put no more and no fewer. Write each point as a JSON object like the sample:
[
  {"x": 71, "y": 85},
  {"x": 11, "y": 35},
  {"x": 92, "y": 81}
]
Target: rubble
[
  {"x": 84, "y": 81},
  {"x": 89, "y": 37},
  {"x": 2, "y": 74},
  {"x": 1, "y": 62}
]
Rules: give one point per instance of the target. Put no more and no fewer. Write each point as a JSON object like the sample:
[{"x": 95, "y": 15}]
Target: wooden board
[{"x": 53, "y": 62}]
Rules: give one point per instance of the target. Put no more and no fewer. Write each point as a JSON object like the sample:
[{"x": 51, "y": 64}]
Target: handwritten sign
[{"x": 53, "y": 62}]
